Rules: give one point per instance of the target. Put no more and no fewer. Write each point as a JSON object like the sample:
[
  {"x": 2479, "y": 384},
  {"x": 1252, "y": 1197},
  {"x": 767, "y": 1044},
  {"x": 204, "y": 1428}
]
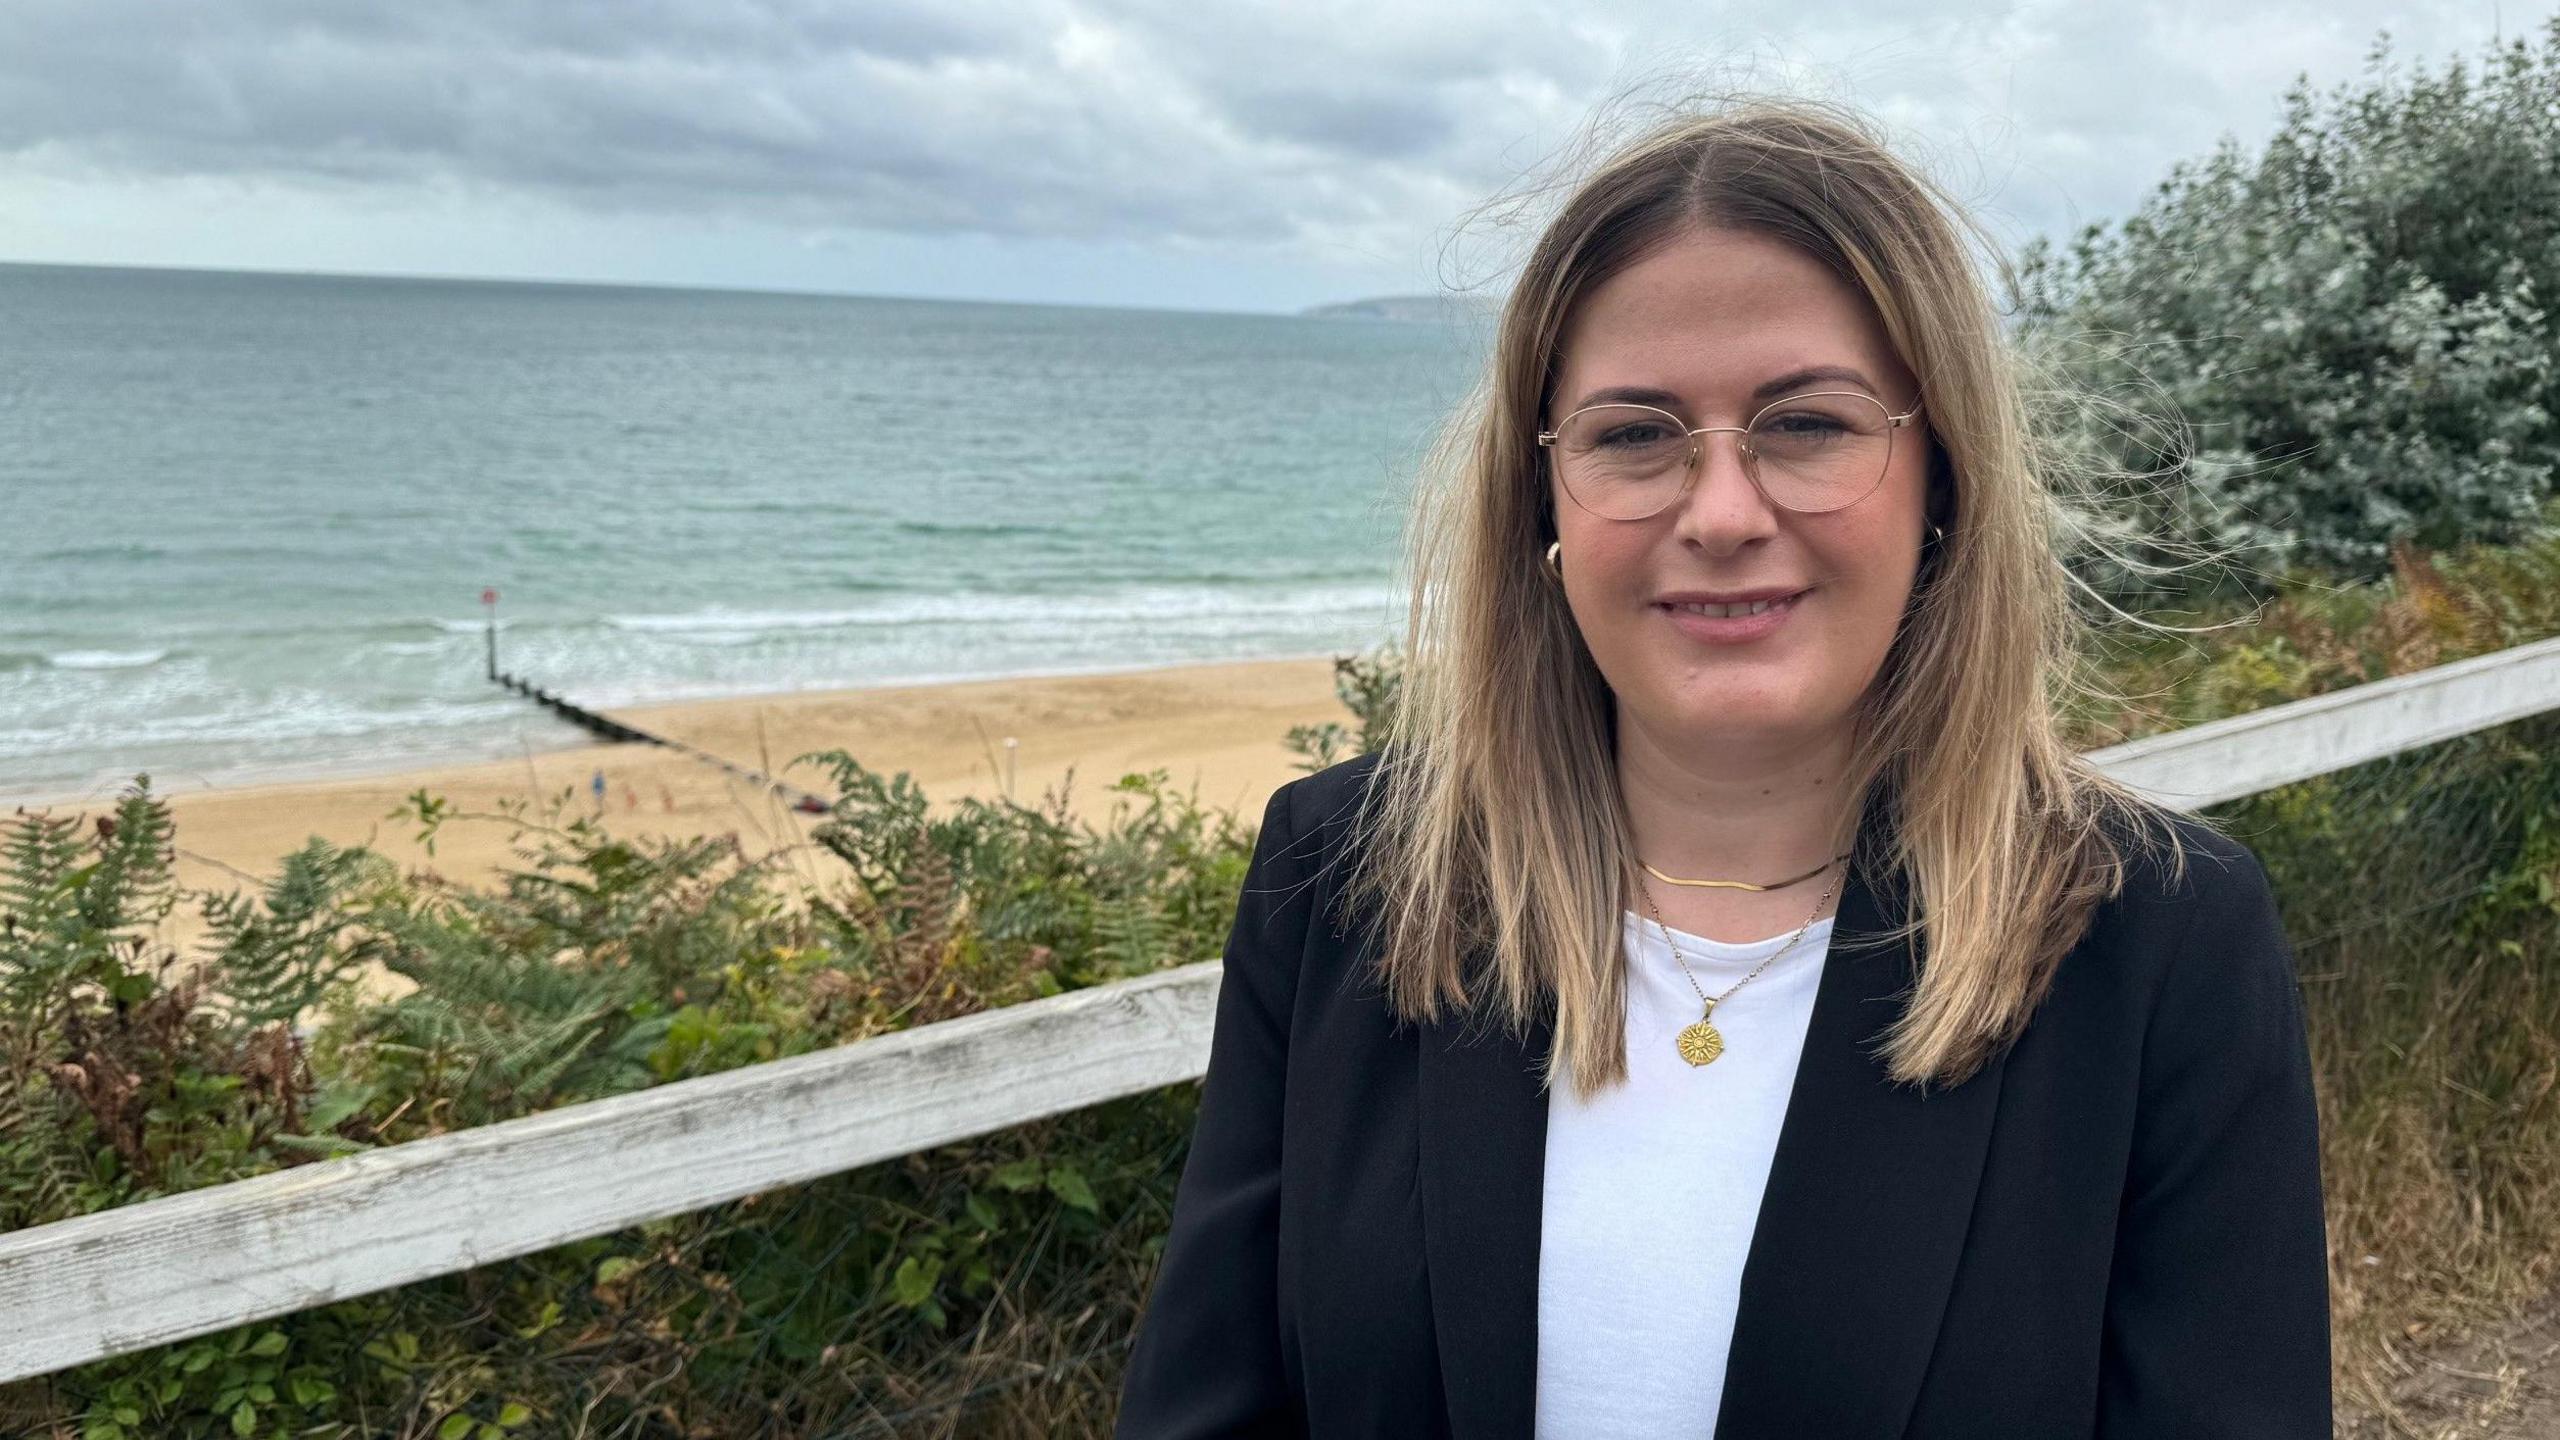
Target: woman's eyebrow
[{"x": 1767, "y": 390}]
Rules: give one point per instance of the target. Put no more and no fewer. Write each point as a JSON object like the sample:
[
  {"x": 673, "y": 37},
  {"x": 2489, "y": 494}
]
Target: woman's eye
[
  {"x": 1803, "y": 423},
  {"x": 1641, "y": 434}
]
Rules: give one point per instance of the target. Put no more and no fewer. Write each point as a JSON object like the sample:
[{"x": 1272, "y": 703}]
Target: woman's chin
[{"x": 1715, "y": 715}]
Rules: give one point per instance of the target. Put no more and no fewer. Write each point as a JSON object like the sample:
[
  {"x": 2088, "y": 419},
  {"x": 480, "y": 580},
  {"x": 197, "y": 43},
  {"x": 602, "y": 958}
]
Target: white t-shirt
[{"x": 1653, "y": 1188}]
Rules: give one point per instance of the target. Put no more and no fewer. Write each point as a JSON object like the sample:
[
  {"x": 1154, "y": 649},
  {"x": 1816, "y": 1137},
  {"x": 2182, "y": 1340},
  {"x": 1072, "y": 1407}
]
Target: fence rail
[{"x": 164, "y": 1270}]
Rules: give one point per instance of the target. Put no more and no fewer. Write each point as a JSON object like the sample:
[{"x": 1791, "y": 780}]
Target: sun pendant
[{"x": 1700, "y": 1043}]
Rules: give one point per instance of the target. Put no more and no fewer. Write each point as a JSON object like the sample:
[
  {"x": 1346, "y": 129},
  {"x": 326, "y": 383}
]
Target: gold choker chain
[{"x": 1745, "y": 884}]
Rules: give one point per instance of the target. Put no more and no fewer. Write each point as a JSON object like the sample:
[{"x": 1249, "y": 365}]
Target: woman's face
[{"x": 1707, "y": 320}]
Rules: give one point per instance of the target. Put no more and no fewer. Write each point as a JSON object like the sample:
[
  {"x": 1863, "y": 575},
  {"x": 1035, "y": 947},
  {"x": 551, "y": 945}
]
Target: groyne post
[{"x": 489, "y": 600}]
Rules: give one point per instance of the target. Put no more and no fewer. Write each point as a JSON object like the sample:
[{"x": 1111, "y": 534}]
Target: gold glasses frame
[{"x": 1750, "y": 455}]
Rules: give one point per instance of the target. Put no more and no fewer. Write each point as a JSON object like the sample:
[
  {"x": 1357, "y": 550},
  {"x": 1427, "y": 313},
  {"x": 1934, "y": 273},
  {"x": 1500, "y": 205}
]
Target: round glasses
[{"x": 1811, "y": 453}]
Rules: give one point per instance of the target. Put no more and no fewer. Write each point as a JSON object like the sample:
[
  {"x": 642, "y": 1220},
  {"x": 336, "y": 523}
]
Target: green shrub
[{"x": 2352, "y": 327}]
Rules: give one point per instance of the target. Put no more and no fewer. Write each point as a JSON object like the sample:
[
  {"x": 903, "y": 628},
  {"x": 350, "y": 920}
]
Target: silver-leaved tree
[{"x": 2340, "y": 342}]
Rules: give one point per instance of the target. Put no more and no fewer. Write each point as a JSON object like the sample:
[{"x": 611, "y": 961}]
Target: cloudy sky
[{"x": 1183, "y": 153}]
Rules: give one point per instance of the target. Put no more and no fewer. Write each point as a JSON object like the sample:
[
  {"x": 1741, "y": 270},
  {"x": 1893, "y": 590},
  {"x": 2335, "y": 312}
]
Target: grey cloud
[
  {"x": 864, "y": 116},
  {"x": 1366, "y": 126}
]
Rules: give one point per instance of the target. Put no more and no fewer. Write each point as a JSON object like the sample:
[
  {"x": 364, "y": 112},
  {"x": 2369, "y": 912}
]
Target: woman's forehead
[
  {"x": 1722, "y": 315},
  {"x": 1789, "y": 380},
  {"x": 1714, "y": 363}
]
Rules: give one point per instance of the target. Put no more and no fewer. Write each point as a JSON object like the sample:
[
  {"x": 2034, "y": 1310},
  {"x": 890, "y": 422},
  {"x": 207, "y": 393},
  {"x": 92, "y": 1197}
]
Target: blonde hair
[{"x": 1494, "y": 824}]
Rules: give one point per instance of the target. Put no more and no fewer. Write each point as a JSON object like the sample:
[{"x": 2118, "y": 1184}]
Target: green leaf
[
  {"x": 514, "y": 1413},
  {"x": 1020, "y": 1175},
  {"x": 244, "y": 1421},
  {"x": 336, "y": 1101},
  {"x": 271, "y": 1343},
  {"x": 1067, "y": 1183},
  {"x": 549, "y": 1317},
  {"x": 454, "y": 1427},
  {"x": 913, "y": 1284}
]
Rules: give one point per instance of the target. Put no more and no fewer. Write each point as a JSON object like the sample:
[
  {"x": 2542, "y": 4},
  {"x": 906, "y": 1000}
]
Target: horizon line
[{"x": 555, "y": 283}]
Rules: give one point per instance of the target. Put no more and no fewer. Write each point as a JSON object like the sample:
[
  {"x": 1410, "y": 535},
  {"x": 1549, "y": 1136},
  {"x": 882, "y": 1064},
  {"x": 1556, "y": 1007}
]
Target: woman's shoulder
[
  {"x": 1304, "y": 818},
  {"x": 2177, "y": 869},
  {"x": 1321, "y": 811},
  {"x": 1327, "y": 796},
  {"x": 2196, "y": 921}
]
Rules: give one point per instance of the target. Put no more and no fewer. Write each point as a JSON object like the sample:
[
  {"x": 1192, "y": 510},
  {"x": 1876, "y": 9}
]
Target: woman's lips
[{"x": 1732, "y": 629}]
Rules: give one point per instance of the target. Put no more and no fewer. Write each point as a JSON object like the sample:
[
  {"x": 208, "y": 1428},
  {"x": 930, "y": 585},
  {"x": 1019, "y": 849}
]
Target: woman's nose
[{"x": 1722, "y": 508}]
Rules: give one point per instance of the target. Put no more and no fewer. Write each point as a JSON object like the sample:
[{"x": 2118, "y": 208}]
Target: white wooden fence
[{"x": 167, "y": 1269}]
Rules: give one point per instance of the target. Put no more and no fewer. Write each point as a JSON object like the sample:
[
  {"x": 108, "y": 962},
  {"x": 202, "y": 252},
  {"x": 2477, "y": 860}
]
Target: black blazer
[{"x": 2113, "y": 1229}]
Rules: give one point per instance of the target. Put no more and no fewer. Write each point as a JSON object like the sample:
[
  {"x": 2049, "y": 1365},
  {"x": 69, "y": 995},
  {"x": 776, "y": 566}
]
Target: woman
[{"x": 1714, "y": 1017}]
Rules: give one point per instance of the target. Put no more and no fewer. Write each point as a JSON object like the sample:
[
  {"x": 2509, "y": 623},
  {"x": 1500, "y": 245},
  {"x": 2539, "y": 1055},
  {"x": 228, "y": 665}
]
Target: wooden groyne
[{"x": 605, "y": 727}]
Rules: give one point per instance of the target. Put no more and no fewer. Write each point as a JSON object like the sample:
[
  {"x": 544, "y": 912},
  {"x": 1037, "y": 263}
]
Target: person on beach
[{"x": 1724, "y": 1005}]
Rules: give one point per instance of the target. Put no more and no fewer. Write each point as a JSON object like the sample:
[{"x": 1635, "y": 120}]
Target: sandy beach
[{"x": 1217, "y": 727}]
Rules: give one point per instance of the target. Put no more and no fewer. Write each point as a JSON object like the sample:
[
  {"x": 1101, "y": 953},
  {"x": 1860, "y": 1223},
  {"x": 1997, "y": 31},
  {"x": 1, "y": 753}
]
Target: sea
[{"x": 257, "y": 527}]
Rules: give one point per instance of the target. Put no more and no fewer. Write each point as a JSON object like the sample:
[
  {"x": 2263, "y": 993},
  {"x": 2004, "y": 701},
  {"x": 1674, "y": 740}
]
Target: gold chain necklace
[
  {"x": 1745, "y": 884},
  {"x": 1701, "y": 1043}
]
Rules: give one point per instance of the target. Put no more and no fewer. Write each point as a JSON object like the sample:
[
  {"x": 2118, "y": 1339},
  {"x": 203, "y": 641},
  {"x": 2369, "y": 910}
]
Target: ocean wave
[
  {"x": 1153, "y": 603},
  {"x": 126, "y": 550},
  {"x": 973, "y": 528},
  {"x": 314, "y": 718},
  {"x": 193, "y": 630},
  {"x": 105, "y": 659},
  {"x": 1221, "y": 594},
  {"x": 742, "y": 622}
]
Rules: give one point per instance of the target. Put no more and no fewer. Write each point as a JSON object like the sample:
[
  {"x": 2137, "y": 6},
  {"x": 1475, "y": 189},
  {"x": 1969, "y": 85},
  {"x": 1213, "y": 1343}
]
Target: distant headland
[{"x": 1429, "y": 308}]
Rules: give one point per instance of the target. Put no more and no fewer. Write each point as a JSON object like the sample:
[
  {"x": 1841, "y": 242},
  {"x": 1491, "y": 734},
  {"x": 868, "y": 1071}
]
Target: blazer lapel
[
  {"x": 1869, "y": 1197},
  {"x": 1854, "y": 1250},
  {"x": 1484, "y": 1158}
]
